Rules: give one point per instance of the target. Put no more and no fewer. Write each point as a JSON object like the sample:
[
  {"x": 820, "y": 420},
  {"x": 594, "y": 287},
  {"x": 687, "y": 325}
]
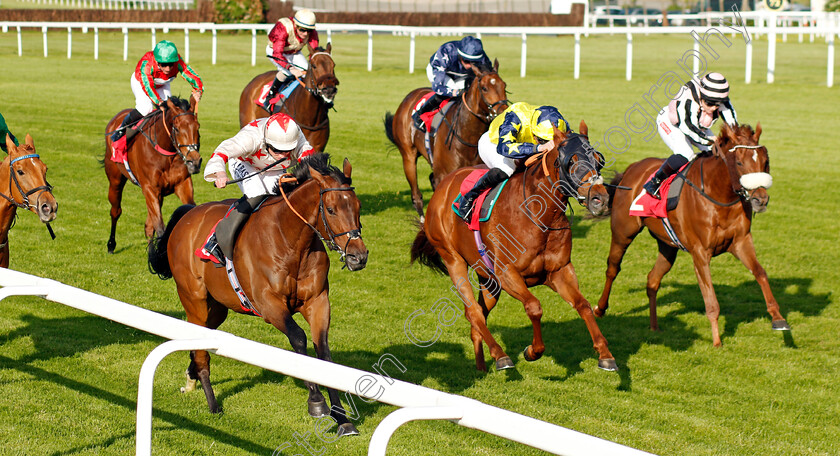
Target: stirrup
[
  {"x": 212, "y": 247},
  {"x": 652, "y": 189}
]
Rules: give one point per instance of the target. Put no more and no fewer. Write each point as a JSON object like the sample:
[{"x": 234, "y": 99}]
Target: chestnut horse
[
  {"x": 713, "y": 216},
  {"x": 161, "y": 157},
  {"x": 527, "y": 246},
  {"x": 308, "y": 105},
  {"x": 455, "y": 143},
  {"x": 22, "y": 175},
  {"x": 282, "y": 264}
]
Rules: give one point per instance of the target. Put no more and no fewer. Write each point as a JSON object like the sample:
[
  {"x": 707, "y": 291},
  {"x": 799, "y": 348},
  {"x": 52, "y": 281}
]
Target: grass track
[{"x": 68, "y": 380}]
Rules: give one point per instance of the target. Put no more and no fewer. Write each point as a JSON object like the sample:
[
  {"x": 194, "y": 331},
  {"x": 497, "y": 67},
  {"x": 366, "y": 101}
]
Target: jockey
[
  {"x": 276, "y": 142},
  {"x": 4, "y": 130},
  {"x": 449, "y": 69},
  {"x": 519, "y": 132},
  {"x": 285, "y": 41},
  {"x": 150, "y": 84},
  {"x": 685, "y": 122}
]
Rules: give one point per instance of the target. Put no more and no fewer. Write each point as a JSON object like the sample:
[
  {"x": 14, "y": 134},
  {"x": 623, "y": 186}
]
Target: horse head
[
  {"x": 320, "y": 77},
  {"x": 486, "y": 96},
  {"x": 748, "y": 163},
  {"x": 577, "y": 168},
  {"x": 28, "y": 176},
  {"x": 339, "y": 209},
  {"x": 182, "y": 125}
]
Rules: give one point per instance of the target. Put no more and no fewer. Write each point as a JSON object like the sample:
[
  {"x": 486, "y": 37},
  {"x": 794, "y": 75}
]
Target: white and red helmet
[
  {"x": 281, "y": 132},
  {"x": 714, "y": 88}
]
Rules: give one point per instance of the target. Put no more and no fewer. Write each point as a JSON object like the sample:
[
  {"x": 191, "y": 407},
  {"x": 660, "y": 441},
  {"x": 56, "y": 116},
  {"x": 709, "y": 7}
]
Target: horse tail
[
  {"x": 425, "y": 252},
  {"x": 616, "y": 180},
  {"x": 389, "y": 127},
  {"x": 158, "y": 257}
]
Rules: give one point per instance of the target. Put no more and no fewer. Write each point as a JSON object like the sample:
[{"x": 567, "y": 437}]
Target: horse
[
  {"x": 160, "y": 159},
  {"x": 309, "y": 107},
  {"x": 282, "y": 263},
  {"x": 483, "y": 100},
  {"x": 712, "y": 217},
  {"x": 525, "y": 247},
  {"x": 25, "y": 175}
]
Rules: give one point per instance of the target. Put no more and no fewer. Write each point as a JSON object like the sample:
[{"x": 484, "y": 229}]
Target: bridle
[
  {"x": 490, "y": 107},
  {"x": 740, "y": 191},
  {"x": 13, "y": 177},
  {"x": 315, "y": 92},
  {"x": 173, "y": 135}
]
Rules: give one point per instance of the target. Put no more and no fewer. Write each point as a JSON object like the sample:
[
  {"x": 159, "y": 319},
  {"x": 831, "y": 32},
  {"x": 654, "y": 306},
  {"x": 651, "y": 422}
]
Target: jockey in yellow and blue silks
[
  {"x": 519, "y": 132},
  {"x": 449, "y": 69}
]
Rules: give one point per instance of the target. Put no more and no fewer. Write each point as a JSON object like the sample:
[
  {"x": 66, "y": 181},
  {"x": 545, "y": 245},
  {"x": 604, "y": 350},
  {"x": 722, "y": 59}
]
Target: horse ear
[
  {"x": 10, "y": 145},
  {"x": 193, "y": 103},
  {"x": 317, "y": 176},
  {"x": 348, "y": 168},
  {"x": 757, "y": 132},
  {"x": 496, "y": 65},
  {"x": 584, "y": 130},
  {"x": 29, "y": 141},
  {"x": 329, "y": 48}
]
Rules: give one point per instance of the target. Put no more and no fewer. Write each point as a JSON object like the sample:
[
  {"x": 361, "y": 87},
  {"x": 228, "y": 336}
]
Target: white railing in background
[
  {"x": 825, "y": 25},
  {"x": 417, "y": 402},
  {"x": 118, "y": 4}
]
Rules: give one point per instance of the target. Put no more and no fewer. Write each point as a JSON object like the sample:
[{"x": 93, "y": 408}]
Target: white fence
[
  {"x": 826, "y": 25},
  {"x": 118, "y": 4},
  {"x": 417, "y": 402}
]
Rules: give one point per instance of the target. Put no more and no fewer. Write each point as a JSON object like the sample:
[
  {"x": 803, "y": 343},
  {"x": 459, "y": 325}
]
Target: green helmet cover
[{"x": 166, "y": 52}]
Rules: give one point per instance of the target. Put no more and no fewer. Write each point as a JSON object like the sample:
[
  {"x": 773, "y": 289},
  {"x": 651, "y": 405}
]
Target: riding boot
[
  {"x": 493, "y": 177},
  {"x": 671, "y": 165},
  {"x": 228, "y": 228},
  {"x": 430, "y": 105},
  {"x": 276, "y": 87}
]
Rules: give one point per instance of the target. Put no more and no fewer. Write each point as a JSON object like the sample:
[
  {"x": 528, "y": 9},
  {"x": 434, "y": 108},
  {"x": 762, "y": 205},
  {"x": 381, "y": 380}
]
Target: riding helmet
[
  {"x": 714, "y": 88},
  {"x": 470, "y": 49},
  {"x": 305, "y": 19},
  {"x": 166, "y": 52},
  {"x": 281, "y": 132}
]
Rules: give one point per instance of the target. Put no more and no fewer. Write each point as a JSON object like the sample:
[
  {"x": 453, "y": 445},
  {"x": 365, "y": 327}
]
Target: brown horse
[
  {"x": 528, "y": 238},
  {"x": 282, "y": 265},
  {"x": 309, "y": 105},
  {"x": 161, "y": 159},
  {"x": 712, "y": 217},
  {"x": 22, "y": 175},
  {"x": 457, "y": 137}
]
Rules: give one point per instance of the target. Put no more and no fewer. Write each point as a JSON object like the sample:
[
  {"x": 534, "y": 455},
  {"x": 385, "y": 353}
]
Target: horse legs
[
  {"x": 4, "y": 255},
  {"x": 209, "y": 314},
  {"x": 515, "y": 286},
  {"x": 115, "y": 190},
  {"x": 744, "y": 250},
  {"x": 704, "y": 279},
  {"x": 318, "y": 316},
  {"x": 154, "y": 221},
  {"x": 618, "y": 247},
  {"x": 297, "y": 338},
  {"x": 664, "y": 262},
  {"x": 487, "y": 299},
  {"x": 410, "y": 169},
  {"x": 565, "y": 282},
  {"x": 185, "y": 192}
]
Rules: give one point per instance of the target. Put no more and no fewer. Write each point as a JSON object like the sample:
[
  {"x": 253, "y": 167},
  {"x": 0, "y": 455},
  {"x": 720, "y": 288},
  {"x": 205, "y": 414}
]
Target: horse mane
[
  {"x": 319, "y": 49},
  {"x": 319, "y": 162},
  {"x": 180, "y": 103}
]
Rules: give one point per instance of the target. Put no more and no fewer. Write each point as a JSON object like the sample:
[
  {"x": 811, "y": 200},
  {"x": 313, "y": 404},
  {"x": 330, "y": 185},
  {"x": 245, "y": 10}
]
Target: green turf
[{"x": 68, "y": 380}]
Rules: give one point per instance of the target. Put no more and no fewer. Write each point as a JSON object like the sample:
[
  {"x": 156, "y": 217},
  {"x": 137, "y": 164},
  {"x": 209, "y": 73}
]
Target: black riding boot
[
  {"x": 276, "y": 87},
  {"x": 671, "y": 165},
  {"x": 493, "y": 177},
  {"x": 430, "y": 105},
  {"x": 128, "y": 121},
  {"x": 220, "y": 244}
]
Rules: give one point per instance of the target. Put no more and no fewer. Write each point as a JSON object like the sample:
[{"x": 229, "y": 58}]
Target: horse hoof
[
  {"x": 608, "y": 364},
  {"x": 422, "y": 220},
  {"x": 318, "y": 409},
  {"x": 598, "y": 312},
  {"x": 528, "y": 357},
  {"x": 504, "y": 363},
  {"x": 346, "y": 429},
  {"x": 216, "y": 410},
  {"x": 781, "y": 325}
]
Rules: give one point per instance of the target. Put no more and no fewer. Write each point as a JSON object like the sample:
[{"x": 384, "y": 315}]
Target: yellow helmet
[{"x": 544, "y": 120}]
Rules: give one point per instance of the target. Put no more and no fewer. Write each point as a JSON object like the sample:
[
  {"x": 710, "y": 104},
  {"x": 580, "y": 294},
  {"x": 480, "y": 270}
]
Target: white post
[
  {"x": 186, "y": 45},
  {"x": 370, "y": 51},
  {"x": 69, "y": 42},
  {"x": 629, "y": 70},
  {"x": 20, "y": 42},
  {"x": 524, "y": 58},
  {"x": 771, "y": 50},
  {"x": 696, "y": 67},
  {"x": 411, "y": 51},
  {"x": 44, "y": 32},
  {"x": 577, "y": 55},
  {"x": 748, "y": 64},
  {"x": 830, "y": 72},
  {"x": 125, "y": 43},
  {"x": 154, "y": 38},
  {"x": 254, "y": 47},
  {"x": 329, "y": 36},
  {"x": 96, "y": 43},
  {"x": 213, "y": 53}
]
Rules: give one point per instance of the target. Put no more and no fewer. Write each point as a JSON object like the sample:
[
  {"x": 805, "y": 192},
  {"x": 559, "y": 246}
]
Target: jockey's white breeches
[
  {"x": 295, "y": 58},
  {"x": 493, "y": 159},
  {"x": 675, "y": 139},
  {"x": 142, "y": 102}
]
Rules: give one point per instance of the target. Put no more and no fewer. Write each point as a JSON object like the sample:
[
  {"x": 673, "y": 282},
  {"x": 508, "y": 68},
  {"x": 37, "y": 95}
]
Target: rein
[
  {"x": 486, "y": 119},
  {"x": 741, "y": 192},
  {"x": 172, "y": 137},
  {"x": 541, "y": 156}
]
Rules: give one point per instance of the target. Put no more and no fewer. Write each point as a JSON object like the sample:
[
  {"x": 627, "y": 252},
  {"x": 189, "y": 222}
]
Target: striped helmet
[
  {"x": 305, "y": 19},
  {"x": 470, "y": 49},
  {"x": 714, "y": 88}
]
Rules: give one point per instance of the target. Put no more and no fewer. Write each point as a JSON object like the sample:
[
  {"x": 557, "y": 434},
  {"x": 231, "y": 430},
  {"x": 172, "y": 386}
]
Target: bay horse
[
  {"x": 22, "y": 175},
  {"x": 455, "y": 143},
  {"x": 526, "y": 247},
  {"x": 713, "y": 216},
  {"x": 282, "y": 264},
  {"x": 161, "y": 158},
  {"x": 308, "y": 105}
]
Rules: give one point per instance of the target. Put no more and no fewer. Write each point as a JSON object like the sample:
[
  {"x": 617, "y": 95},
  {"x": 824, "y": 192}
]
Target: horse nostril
[{"x": 46, "y": 209}]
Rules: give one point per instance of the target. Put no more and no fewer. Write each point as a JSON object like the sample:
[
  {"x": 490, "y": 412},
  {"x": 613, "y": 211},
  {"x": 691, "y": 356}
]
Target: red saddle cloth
[
  {"x": 647, "y": 206},
  {"x": 466, "y": 186},
  {"x": 119, "y": 147},
  {"x": 427, "y": 117}
]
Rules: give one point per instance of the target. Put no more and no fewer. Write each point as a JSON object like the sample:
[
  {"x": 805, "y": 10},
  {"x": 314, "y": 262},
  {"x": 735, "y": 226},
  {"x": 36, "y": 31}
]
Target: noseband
[
  {"x": 25, "y": 204},
  {"x": 173, "y": 135}
]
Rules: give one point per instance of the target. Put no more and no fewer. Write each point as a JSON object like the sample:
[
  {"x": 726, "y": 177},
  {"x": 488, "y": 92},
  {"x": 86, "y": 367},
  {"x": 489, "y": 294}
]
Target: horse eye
[
  {"x": 739, "y": 163},
  {"x": 330, "y": 211},
  {"x": 484, "y": 89},
  {"x": 20, "y": 172}
]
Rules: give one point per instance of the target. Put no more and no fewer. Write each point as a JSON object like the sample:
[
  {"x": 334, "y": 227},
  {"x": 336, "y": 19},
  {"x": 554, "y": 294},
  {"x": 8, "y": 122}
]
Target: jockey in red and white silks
[{"x": 285, "y": 41}]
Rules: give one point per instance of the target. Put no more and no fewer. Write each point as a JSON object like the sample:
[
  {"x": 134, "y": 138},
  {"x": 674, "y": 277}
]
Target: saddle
[
  {"x": 432, "y": 120},
  {"x": 485, "y": 202},
  {"x": 645, "y": 205},
  {"x": 279, "y": 99}
]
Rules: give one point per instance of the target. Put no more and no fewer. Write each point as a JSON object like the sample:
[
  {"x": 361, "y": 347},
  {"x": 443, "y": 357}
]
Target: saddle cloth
[
  {"x": 119, "y": 155},
  {"x": 429, "y": 116},
  {"x": 645, "y": 205},
  {"x": 283, "y": 94},
  {"x": 486, "y": 201}
]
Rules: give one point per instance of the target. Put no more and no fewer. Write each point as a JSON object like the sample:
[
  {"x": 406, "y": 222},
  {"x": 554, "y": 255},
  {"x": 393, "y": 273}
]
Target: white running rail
[{"x": 417, "y": 402}]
